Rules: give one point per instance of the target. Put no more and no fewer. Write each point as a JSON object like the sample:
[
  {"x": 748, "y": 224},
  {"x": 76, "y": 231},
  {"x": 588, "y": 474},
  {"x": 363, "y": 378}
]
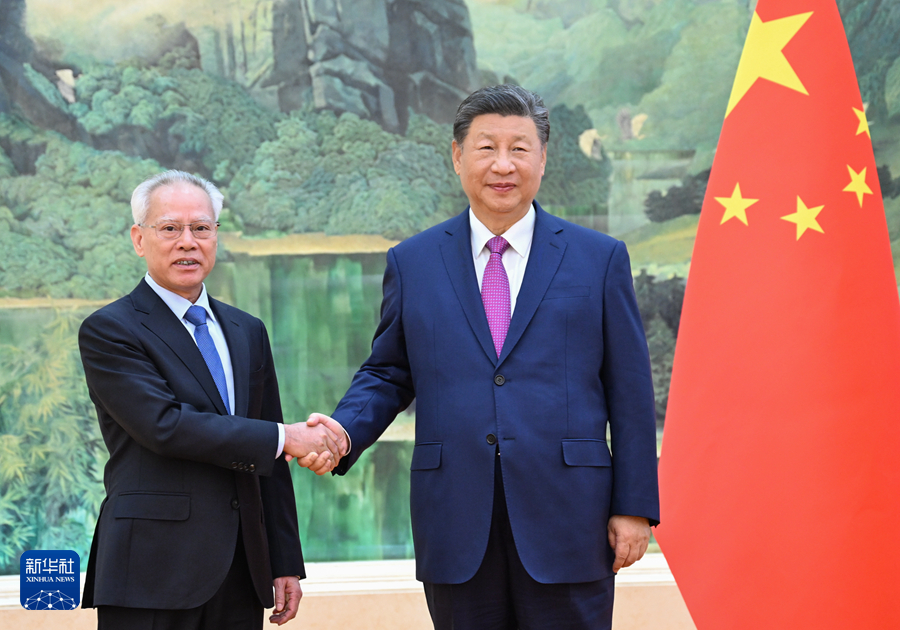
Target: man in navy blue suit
[{"x": 518, "y": 334}]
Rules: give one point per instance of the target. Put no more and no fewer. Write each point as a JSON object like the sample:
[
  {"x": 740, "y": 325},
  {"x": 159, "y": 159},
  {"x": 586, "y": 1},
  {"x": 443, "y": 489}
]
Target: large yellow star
[
  {"x": 858, "y": 185},
  {"x": 863, "y": 122},
  {"x": 762, "y": 57},
  {"x": 736, "y": 206},
  {"x": 805, "y": 218}
]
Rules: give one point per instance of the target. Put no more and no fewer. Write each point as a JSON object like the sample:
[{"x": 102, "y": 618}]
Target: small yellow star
[
  {"x": 805, "y": 218},
  {"x": 762, "y": 57},
  {"x": 736, "y": 206},
  {"x": 863, "y": 122},
  {"x": 858, "y": 185}
]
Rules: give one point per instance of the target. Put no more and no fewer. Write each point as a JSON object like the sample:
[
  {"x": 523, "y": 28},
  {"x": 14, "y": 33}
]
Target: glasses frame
[{"x": 176, "y": 235}]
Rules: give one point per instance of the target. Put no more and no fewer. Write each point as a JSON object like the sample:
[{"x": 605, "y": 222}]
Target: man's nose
[
  {"x": 186, "y": 239},
  {"x": 503, "y": 163}
]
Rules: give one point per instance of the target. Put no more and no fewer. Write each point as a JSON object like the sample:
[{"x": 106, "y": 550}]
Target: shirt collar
[
  {"x": 519, "y": 235},
  {"x": 178, "y": 304}
]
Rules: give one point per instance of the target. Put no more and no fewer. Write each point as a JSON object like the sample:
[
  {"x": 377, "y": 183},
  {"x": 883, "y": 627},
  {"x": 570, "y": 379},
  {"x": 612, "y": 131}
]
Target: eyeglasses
[{"x": 171, "y": 230}]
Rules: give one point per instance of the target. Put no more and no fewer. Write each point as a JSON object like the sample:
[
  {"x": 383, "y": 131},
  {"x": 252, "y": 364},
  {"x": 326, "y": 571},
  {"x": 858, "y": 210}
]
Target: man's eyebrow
[
  {"x": 171, "y": 220},
  {"x": 486, "y": 135}
]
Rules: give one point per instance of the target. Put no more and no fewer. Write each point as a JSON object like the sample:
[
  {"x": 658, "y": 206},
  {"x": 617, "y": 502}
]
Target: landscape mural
[{"x": 326, "y": 124}]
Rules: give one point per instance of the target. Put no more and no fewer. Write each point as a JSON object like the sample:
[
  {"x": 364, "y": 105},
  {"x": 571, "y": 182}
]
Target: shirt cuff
[{"x": 280, "y": 440}]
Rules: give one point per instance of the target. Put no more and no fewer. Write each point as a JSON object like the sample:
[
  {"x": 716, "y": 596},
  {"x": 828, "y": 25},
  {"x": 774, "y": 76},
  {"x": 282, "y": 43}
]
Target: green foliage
[
  {"x": 7, "y": 169},
  {"x": 183, "y": 57},
  {"x": 661, "y": 342},
  {"x": 43, "y": 85},
  {"x": 890, "y": 187},
  {"x": 678, "y": 200},
  {"x": 871, "y": 27},
  {"x": 573, "y": 184},
  {"x": 892, "y": 89},
  {"x": 892, "y": 213},
  {"x": 346, "y": 175},
  {"x": 422, "y": 130},
  {"x": 212, "y": 121},
  {"x": 67, "y": 225},
  {"x": 660, "y": 304},
  {"x": 51, "y": 452},
  {"x": 220, "y": 122},
  {"x": 32, "y": 267},
  {"x": 891, "y": 194}
]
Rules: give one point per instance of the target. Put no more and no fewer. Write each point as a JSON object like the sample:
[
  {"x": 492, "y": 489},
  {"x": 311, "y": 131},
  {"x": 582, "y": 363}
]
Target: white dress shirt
[
  {"x": 515, "y": 258},
  {"x": 179, "y": 306}
]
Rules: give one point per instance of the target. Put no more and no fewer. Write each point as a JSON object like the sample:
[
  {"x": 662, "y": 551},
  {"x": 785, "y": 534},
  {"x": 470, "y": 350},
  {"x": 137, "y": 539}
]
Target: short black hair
[{"x": 506, "y": 100}]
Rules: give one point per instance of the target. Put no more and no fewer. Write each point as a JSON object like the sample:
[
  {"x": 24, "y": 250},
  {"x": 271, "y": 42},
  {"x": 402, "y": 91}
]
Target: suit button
[
  {"x": 235, "y": 504},
  {"x": 234, "y": 465},
  {"x": 499, "y": 380},
  {"x": 252, "y": 468},
  {"x": 491, "y": 439}
]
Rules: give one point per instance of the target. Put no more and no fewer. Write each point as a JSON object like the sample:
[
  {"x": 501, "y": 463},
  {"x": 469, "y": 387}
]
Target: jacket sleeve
[
  {"x": 130, "y": 389},
  {"x": 628, "y": 386}
]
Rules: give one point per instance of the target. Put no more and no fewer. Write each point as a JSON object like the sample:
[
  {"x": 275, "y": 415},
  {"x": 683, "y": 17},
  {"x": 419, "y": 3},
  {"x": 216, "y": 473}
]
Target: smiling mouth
[{"x": 186, "y": 263}]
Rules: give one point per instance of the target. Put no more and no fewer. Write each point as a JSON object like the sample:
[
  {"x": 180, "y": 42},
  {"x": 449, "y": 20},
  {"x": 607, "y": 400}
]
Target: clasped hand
[{"x": 317, "y": 444}]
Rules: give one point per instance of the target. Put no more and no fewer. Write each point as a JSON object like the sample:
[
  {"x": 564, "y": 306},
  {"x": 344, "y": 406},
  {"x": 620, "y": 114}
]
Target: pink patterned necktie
[{"x": 495, "y": 292}]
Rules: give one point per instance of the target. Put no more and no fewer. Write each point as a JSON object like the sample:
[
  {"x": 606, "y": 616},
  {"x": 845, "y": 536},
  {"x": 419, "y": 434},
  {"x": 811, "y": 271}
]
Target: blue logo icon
[{"x": 50, "y": 580}]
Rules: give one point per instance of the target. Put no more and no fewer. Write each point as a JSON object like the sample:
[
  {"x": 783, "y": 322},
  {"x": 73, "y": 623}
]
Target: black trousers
[
  {"x": 502, "y": 596},
  {"x": 235, "y": 606}
]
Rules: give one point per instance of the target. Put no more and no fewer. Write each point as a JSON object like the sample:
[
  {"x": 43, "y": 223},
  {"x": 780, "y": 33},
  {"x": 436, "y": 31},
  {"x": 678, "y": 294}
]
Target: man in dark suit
[
  {"x": 199, "y": 514},
  {"x": 518, "y": 334}
]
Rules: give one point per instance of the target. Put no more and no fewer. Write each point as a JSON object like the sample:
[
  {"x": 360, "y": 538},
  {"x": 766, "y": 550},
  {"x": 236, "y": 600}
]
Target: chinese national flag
[{"x": 780, "y": 466}]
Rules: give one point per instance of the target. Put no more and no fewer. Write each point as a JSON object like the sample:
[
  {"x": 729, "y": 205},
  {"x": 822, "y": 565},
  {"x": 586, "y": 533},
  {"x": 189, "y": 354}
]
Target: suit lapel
[
  {"x": 160, "y": 320},
  {"x": 240, "y": 356},
  {"x": 547, "y": 250},
  {"x": 457, "y": 253}
]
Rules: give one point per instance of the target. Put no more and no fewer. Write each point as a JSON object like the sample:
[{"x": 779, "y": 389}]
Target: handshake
[{"x": 317, "y": 444}]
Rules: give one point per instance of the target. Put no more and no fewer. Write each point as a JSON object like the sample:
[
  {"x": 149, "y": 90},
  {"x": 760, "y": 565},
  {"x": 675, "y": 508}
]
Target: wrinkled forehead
[{"x": 181, "y": 202}]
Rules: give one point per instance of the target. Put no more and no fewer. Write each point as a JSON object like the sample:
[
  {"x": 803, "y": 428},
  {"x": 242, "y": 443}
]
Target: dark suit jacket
[
  {"x": 574, "y": 364},
  {"x": 183, "y": 478}
]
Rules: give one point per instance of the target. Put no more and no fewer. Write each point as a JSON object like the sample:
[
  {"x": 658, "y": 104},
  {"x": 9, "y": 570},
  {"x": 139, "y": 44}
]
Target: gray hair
[
  {"x": 140, "y": 198},
  {"x": 506, "y": 100}
]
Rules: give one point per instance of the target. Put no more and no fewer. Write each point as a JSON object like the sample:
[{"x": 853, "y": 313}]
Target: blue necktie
[{"x": 197, "y": 316}]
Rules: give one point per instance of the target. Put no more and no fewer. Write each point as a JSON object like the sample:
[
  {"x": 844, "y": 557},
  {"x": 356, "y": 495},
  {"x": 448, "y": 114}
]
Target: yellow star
[
  {"x": 762, "y": 57},
  {"x": 858, "y": 185},
  {"x": 805, "y": 218},
  {"x": 863, "y": 123},
  {"x": 736, "y": 206}
]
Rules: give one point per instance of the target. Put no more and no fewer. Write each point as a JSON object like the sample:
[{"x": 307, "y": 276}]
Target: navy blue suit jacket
[
  {"x": 183, "y": 477},
  {"x": 574, "y": 364}
]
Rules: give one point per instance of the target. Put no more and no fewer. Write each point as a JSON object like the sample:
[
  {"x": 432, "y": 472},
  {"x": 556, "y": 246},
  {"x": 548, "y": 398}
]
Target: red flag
[{"x": 780, "y": 466}]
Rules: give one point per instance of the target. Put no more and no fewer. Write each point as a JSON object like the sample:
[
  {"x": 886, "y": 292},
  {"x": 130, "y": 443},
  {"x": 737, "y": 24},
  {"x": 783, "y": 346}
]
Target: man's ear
[
  {"x": 457, "y": 156},
  {"x": 137, "y": 239}
]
